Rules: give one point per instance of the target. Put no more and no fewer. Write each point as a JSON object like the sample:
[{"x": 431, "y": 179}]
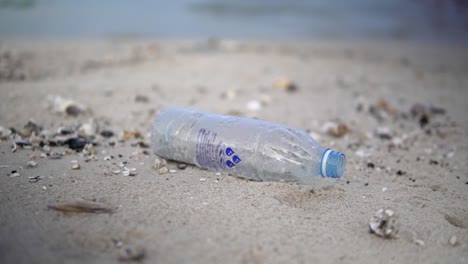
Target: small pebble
[
  {"x": 163, "y": 170},
  {"x": 181, "y": 166},
  {"x": 202, "y": 180},
  {"x": 253, "y": 105},
  {"x": 141, "y": 98},
  {"x": 419, "y": 242},
  {"x": 116, "y": 171},
  {"x": 172, "y": 171},
  {"x": 453, "y": 240},
  {"x": 14, "y": 174},
  {"x": 76, "y": 166},
  {"x": 107, "y": 133},
  {"x": 107, "y": 158},
  {"x": 44, "y": 187},
  {"x": 384, "y": 189}
]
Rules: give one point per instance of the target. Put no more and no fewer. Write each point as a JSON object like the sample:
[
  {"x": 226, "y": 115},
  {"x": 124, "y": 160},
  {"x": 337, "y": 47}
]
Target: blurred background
[{"x": 431, "y": 20}]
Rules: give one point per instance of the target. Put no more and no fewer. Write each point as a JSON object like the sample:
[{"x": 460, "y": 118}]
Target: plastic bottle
[{"x": 249, "y": 148}]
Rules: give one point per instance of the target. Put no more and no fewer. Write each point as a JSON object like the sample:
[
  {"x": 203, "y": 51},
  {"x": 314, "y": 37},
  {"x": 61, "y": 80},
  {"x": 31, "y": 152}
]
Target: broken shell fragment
[
  {"x": 30, "y": 128},
  {"x": 14, "y": 174},
  {"x": 34, "y": 179},
  {"x": 31, "y": 164},
  {"x": 88, "y": 130},
  {"x": 76, "y": 166},
  {"x": 339, "y": 131},
  {"x": 384, "y": 223}
]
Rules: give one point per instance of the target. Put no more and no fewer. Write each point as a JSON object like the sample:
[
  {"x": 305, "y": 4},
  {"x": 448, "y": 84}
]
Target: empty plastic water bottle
[{"x": 245, "y": 147}]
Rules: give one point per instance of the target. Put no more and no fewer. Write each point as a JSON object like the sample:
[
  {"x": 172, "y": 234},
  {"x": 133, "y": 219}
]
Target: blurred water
[{"x": 433, "y": 20}]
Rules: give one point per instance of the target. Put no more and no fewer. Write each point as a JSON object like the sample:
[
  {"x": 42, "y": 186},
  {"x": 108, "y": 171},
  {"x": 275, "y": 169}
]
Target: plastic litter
[{"x": 250, "y": 148}]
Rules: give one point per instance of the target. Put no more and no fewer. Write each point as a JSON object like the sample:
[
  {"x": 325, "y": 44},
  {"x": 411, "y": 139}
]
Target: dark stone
[
  {"x": 181, "y": 166},
  {"x": 370, "y": 165},
  {"x": 73, "y": 110},
  {"x": 77, "y": 144},
  {"x": 424, "y": 120},
  {"x": 22, "y": 143},
  {"x": 107, "y": 133},
  {"x": 141, "y": 99},
  {"x": 400, "y": 172}
]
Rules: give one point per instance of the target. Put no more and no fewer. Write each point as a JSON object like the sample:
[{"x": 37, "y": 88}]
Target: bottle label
[{"x": 212, "y": 153}]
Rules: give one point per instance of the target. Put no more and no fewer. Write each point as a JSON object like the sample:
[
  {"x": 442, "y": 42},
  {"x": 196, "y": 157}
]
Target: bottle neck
[{"x": 333, "y": 164}]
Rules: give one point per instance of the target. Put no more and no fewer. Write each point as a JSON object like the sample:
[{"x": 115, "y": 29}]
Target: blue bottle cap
[{"x": 333, "y": 164}]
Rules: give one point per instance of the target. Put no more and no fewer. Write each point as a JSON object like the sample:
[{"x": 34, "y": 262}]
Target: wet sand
[{"x": 412, "y": 162}]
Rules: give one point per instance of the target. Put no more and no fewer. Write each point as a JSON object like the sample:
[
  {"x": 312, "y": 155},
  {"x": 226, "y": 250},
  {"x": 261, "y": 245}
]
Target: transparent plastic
[{"x": 249, "y": 148}]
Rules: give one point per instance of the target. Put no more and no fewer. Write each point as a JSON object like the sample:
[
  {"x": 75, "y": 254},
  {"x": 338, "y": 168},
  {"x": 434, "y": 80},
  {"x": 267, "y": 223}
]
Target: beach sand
[{"x": 415, "y": 165}]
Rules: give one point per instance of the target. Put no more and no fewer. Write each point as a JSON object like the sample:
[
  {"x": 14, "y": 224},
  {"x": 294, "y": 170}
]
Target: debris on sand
[
  {"x": 384, "y": 223},
  {"x": 159, "y": 163},
  {"x": 34, "y": 179},
  {"x": 4, "y": 133},
  {"x": 76, "y": 166},
  {"x": 285, "y": 85},
  {"x": 88, "y": 130},
  {"x": 335, "y": 129},
  {"x": 14, "y": 174},
  {"x": 142, "y": 99},
  {"x": 14, "y": 147},
  {"x": 384, "y": 133},
  {"x": 89, "y": 149},
  {"x": 31, "y": 164},
  {"x": 163, "y": 170},
  {"x": 107, "y": 133},
  {"x": 30, "y": 128},
  {"x": 383, "y": 105},
  {"x": 131, "y": 253},
  {"x": 129, "y": 171},
  {"x": 81, "y": 206},
  {"x": 62, "y": 105},
  {"x": 382, "y": 110},
  {"x": 76, "y": 144},
  {"x": 129, "y": 134}
]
